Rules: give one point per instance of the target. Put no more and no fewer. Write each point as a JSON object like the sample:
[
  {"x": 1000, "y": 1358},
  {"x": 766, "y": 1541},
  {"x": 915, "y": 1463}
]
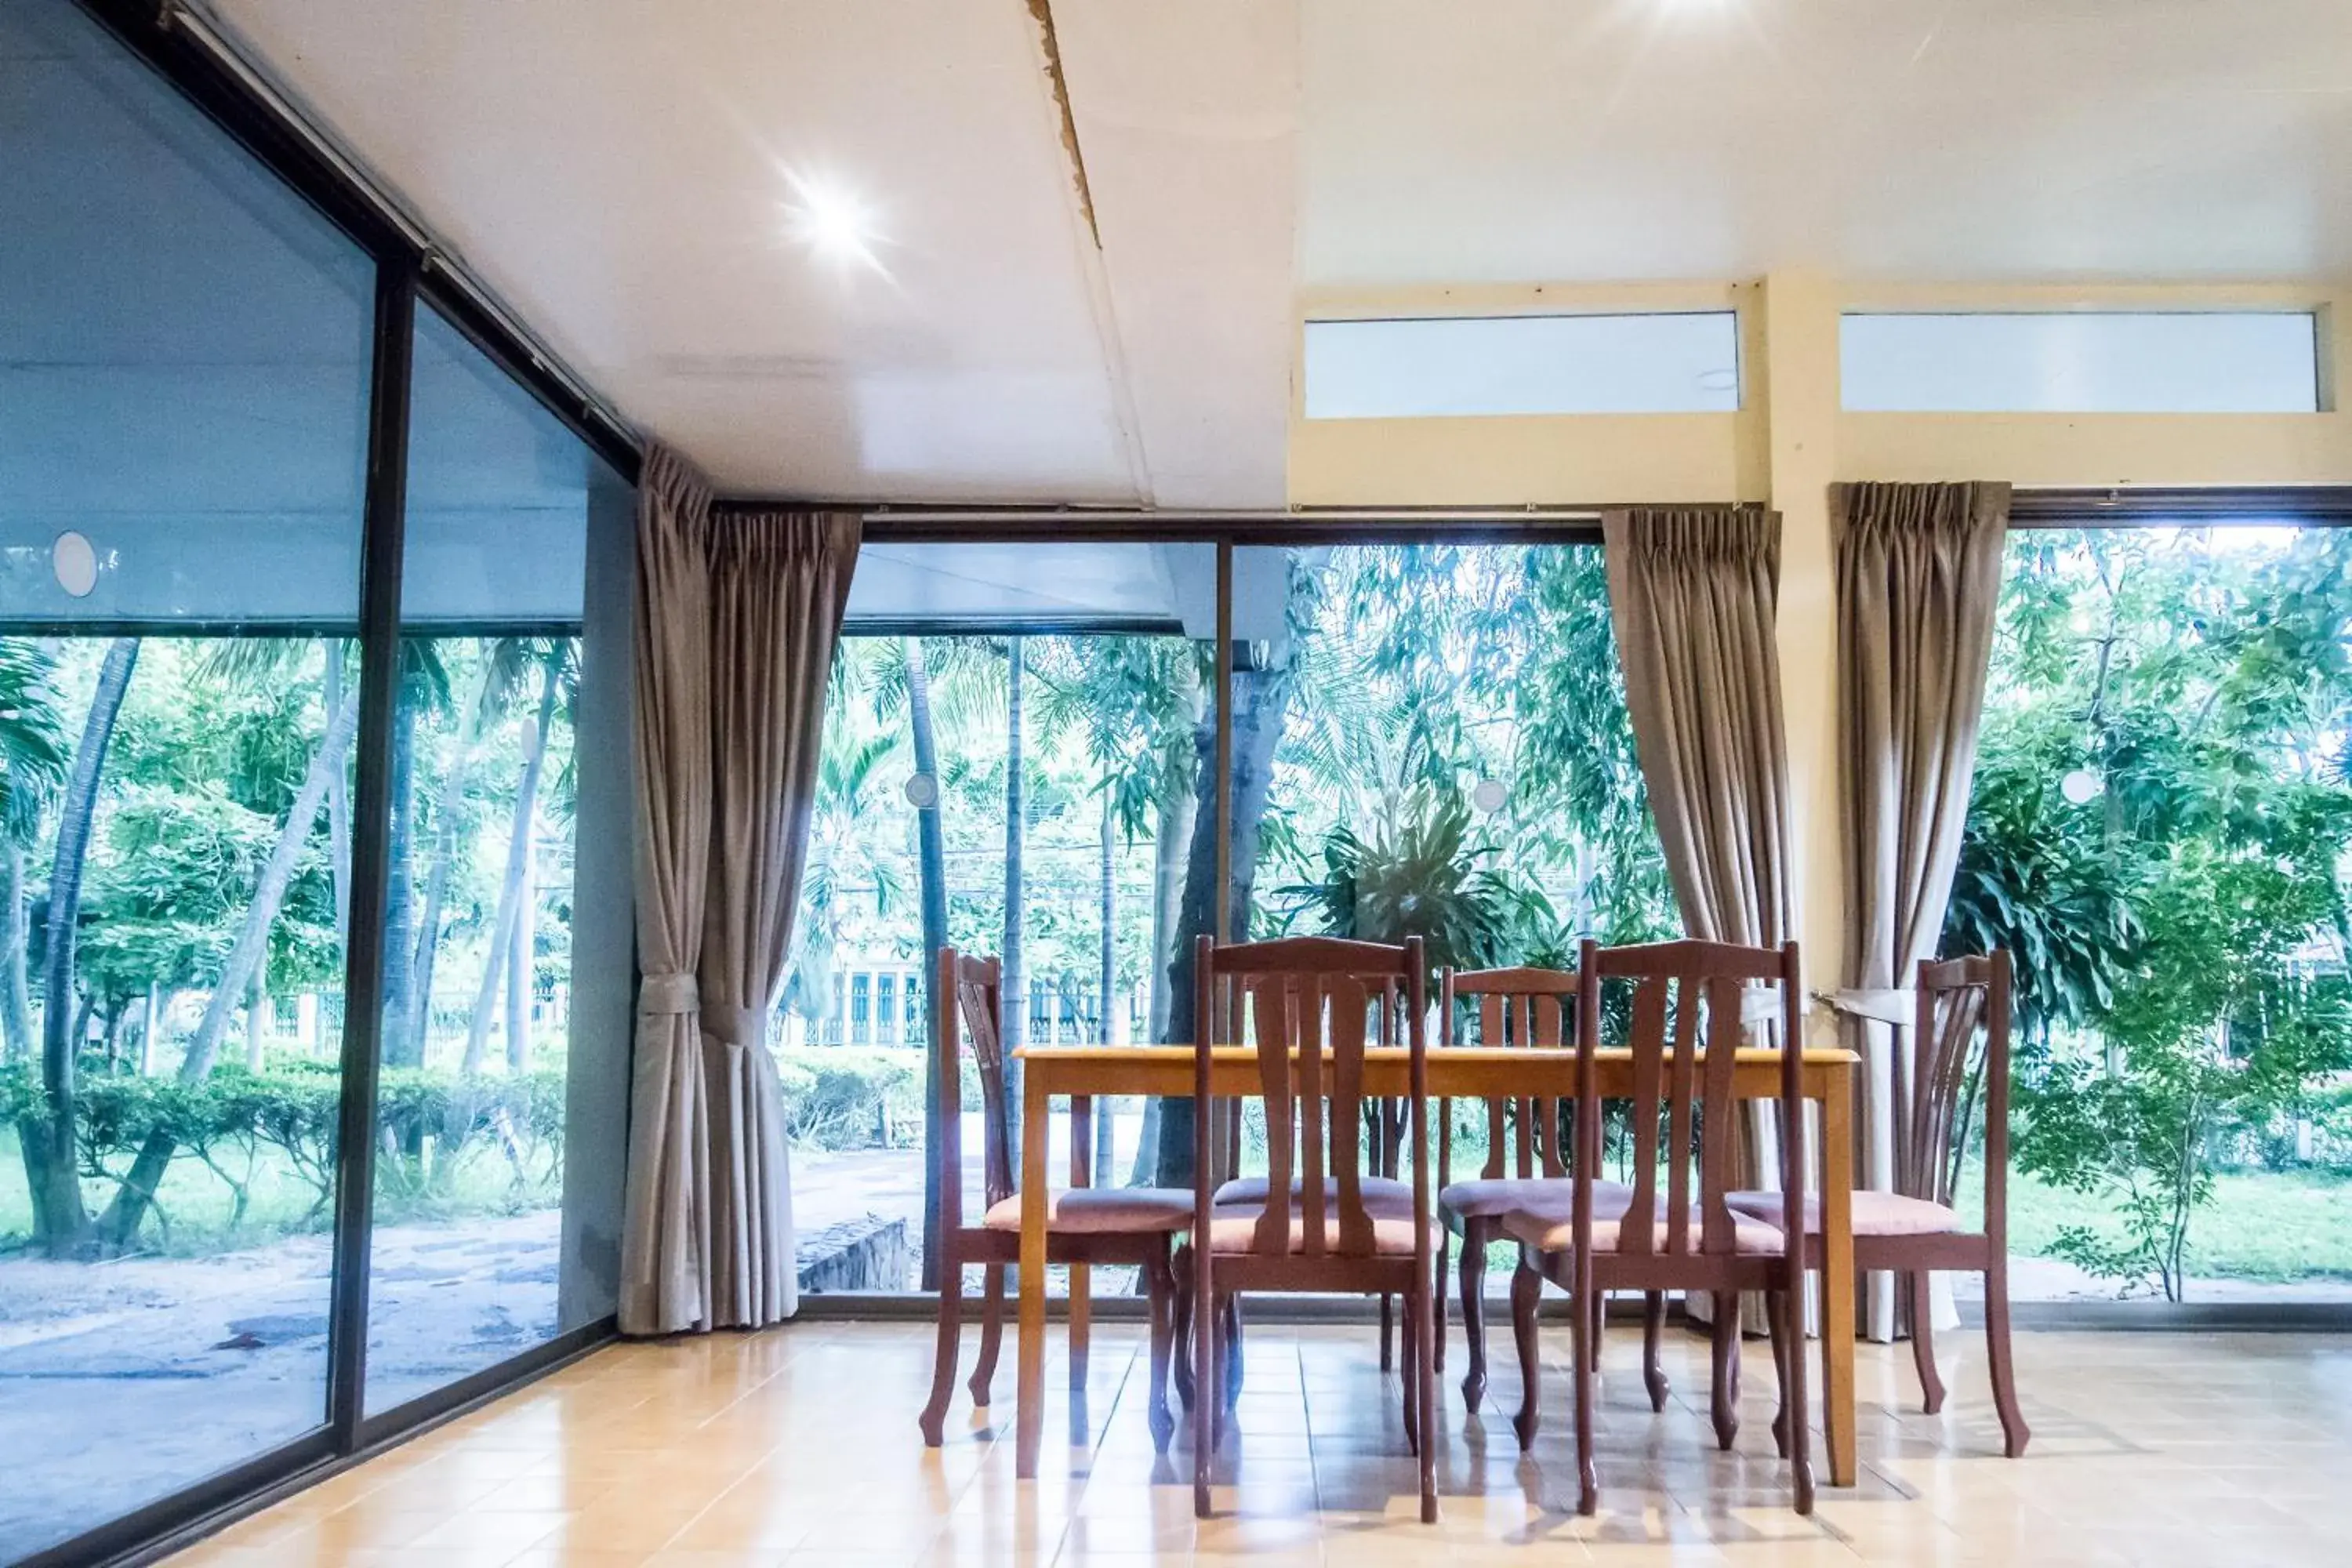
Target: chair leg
[
  {"x": 1425, "y": 1392},
  {"x": 1080, "y": 1334},
  {"x": 992, "y": 1333},
  {"x": 1474, "y": 1313},
  {"x": 933, "y": 1419},
  {"x": 1917, "y": 1286},
  {"x": 1527, "y": 1292},
  {"x": 1409, "y": 1386},
  {"x": 1181, "y": 1327},
  {"x": 1204, "y": 1399},
  {"x": 1777, "y": 1308},
  {"x": 1161, "y": 1306},
  {"x": 1725, "y": 1401},
  {"x": 2014, "y": 1432},
  {"x": 1587, "y": 1478},
  {"x": 1654, "y": 1329},
  {"x": 1799, "y": 1421},
  {"x": 1230, "y": 1366},
  {"x": 1437, "y": 1300},
  {"x": 1388, "y": 1333}
]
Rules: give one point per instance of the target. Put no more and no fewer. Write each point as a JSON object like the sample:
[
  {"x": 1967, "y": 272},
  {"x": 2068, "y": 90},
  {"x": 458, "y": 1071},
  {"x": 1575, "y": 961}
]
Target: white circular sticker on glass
[
  {"x": 922, "y": 792},
  {"x": 2081, "y": 786},
  {"x": 75, "y": 561},
  {"x": 1489, "y": 795}
]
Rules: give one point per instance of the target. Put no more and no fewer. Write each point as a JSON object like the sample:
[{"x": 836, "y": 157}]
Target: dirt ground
[{"x": 123, "y": 1381}]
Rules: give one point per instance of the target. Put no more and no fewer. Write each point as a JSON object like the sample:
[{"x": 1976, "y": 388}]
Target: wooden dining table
[{"x": 1081, "y": 1073}]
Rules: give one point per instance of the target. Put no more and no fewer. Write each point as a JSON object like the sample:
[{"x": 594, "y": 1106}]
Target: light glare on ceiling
[{"x": 833, "y": 222}]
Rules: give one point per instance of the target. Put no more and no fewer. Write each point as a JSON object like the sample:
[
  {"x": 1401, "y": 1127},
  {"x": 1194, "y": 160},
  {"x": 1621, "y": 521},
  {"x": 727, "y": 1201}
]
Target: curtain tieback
[
  {"x": 735, "y": 1025},
  {"x": 664, "y": 994},
  {"x": 1883, "y": 1004},
  {"x": 1760, "y": 1003}
]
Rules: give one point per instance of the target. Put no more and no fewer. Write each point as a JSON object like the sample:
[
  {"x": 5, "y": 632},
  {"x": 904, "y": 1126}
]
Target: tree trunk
[
  {"x": 255, "y": 1023},
  {"x": 1176, "y": 818},
  {"x": 339, "y": 800},
  {"x": 444, "y": 852},
  {"x": 129, "y": 1208},
  {"x": 147, "y": 1032},
  {"x": 15, "y": 943},
  {"x": 504, "y": 929},
  {"x": 115, "y": 1015},
  {"x": 1108, "y": 984},
  {"x": 59, "y": 1221},
  {"x": 399, "y": 918},
  {"x": 1261, "y": 698},
  {"x": 520, "y": 969},
  {"x": 931, "y": 862},
  {"x": 1013, "y": 1028}
]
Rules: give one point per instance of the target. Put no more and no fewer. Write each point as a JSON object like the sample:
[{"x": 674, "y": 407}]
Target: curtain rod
[{"x": 1143, "y": 516}]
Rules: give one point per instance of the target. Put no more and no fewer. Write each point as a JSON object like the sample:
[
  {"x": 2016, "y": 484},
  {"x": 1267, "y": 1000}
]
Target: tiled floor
[{"x": 799, "y": 1447}]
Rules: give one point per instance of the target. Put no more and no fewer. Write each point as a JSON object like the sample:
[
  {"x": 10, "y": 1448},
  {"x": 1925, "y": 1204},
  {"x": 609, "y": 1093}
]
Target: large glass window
[
  {"x": 480, "y": 1118},
  {"x": 185, "y": 351},
  {"x": 2085, "y": 362},
  {"x": 1432, "y": 739},
  {"x": 2161, "y": 832},
  {"x": 1024, "y": 742},
  {"x": 1456, "y": 366}
]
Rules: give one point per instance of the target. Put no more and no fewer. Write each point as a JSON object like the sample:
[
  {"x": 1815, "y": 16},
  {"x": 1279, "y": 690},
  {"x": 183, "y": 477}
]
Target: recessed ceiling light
[{"x": 833, "y": 222}]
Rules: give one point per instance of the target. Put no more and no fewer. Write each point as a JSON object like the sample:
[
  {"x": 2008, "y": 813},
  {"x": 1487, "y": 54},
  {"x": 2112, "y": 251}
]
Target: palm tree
[
  {"x": 33, "y": 769},
  {"x": 137, "y": 1190},
  {"x": 842, "y": 853},
  {"x": 505, "y": 663},
  {"x": 59, "y": 1219},
  {"x": 555, "y": 668}
]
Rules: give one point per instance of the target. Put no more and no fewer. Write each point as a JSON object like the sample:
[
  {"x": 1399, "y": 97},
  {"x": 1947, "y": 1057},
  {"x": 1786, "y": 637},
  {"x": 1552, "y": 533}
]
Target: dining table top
[{"x": 1532, "y": 1056}]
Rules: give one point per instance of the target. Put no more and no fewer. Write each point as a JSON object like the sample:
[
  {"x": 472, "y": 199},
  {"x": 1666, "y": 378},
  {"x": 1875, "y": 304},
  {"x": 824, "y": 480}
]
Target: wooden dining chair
[
  {"x": 1383, "y": 1191},
  {"x": 1915, "y": 1229},
  {"x": 1085, "y": 1225},
  {"x": 1687, "y": 1027},
  {"x": 1308, "y": 1002},
  {"x": 1524, "y": 1167}
]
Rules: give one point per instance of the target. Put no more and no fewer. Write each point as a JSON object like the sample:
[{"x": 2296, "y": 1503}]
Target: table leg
[
  {"x": 1029, "y": 1389},
  {"x": 1082, "y": 1110},
  {"x": 1837, "y": 1275}
]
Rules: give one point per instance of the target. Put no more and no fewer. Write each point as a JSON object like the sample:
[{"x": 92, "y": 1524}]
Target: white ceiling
[{"x": 621, "y": 172}]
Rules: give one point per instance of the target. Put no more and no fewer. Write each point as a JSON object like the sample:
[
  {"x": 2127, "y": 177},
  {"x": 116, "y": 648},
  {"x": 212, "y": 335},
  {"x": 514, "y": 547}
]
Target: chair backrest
[
  {"x": 1383, "y": 1119},
  {"x": 967, "y": 1012},
  {"x": 1957, "y": 1002},
  {"x": 1516, "y": 1007},
  {"x": 1691, "y": 1006},
  {"x": 1309, "y": 1004}
]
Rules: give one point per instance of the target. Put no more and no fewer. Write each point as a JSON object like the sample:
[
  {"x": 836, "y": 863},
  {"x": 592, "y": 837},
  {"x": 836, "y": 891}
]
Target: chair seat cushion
[
  {"x": 1487, "y": 1197},
  {"x": 1233, "y": 1228},
  {"x": 1096, "y": 1210},
  {"x": 1381, "y": 1194},
  {"x": 1875, "y": 1214},
  {"x": 1547, "y": 1233}
]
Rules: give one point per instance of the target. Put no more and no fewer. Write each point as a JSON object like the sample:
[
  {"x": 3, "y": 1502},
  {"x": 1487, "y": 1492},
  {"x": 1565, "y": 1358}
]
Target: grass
[
  {"x": 2274, "y": 1226},
  {"x": 197, "y": 1206}
]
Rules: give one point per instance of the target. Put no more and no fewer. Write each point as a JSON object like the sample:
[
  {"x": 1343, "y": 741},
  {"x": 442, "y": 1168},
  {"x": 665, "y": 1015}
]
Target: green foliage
[
  {"x": 849, "y": 1097},
  {"x": 2181, "y": 936},
  {"x": 33, "y": 754},
  {"x": 1417, "y": 876},
  {"x": 437, "y": 1127}
]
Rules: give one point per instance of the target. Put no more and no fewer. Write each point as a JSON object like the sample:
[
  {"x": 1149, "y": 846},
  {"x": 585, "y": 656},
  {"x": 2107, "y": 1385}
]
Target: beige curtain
[
  {"x": 1691, "y": 596},
  {"x": 1918, "y": 585},
  {"x": 737, "y": 618}
]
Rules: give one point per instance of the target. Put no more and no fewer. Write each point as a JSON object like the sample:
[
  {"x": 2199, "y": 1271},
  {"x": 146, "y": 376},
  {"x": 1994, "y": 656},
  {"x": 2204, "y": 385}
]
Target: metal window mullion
[{"x": 386, "y": 522}]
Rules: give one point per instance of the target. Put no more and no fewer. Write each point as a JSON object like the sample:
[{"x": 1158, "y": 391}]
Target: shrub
[{"x": 851, "y": 1097}]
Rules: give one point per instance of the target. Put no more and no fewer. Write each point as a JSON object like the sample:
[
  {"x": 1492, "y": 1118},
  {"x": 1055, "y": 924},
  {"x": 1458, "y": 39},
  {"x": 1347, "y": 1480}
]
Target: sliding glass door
[
  {"x": 192, "y": 384},
  {"x": 184, "y": 350}
]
